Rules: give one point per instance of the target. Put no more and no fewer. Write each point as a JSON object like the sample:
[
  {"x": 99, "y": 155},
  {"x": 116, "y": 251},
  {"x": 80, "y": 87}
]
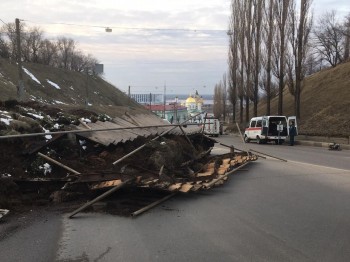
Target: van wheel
[
  {"x": 246, "y": 139},
  {"x": 258, "y": 140}
]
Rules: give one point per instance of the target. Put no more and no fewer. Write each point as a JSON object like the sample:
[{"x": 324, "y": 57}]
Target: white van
[
  {"x": 211, "y": 125},
  {"x": 264, "y": 129}
]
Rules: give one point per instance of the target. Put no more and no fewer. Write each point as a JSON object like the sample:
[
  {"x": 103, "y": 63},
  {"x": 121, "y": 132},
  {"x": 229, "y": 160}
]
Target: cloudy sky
[{"x": 178, "y": 43}]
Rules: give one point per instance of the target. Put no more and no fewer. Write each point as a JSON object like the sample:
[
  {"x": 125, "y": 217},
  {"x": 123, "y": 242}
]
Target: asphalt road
[{"x": 271, "y": 211}]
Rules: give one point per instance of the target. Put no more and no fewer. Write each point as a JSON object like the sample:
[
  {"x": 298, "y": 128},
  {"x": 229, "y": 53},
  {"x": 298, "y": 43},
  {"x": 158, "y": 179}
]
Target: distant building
[
  {"x": 194, "y": 105},
  {"x": 148, "y": 98},
  {"x": 174, "y": 113}
]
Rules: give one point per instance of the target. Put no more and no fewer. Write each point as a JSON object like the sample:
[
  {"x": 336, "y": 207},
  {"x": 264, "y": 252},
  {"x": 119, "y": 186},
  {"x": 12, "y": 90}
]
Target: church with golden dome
[{"x": 194, "y": 103}]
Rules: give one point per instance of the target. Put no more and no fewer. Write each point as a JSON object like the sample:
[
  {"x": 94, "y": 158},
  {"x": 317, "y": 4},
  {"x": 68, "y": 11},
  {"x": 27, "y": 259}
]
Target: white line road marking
[{"x": 302, "y": 163}]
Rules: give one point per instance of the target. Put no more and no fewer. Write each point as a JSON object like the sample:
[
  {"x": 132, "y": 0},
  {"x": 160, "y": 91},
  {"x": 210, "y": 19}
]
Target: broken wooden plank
[
  {"x": 222, "y": 169},
  {"x": 185, "y": 188},
  {"x": 196, "y": 187},
  {"x": 207, "y": 173},
  {"x": 210, "y": 184},
  {"x": 100, "y": 197},
  {"x": 105, "y": 184},
  {"x": 174, "y": 187}
]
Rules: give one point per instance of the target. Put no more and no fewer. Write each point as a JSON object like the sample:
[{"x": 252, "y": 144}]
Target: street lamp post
[{"x": 176, "y": 99}]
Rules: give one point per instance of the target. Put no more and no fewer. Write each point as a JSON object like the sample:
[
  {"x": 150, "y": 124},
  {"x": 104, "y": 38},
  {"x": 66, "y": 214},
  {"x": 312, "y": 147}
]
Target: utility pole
[
  {"x": 150, "y": 102},
  {"x": 164, "y": 100},
  {"x": 20, "y": 87},
  {"x": 87, "y": 88}
]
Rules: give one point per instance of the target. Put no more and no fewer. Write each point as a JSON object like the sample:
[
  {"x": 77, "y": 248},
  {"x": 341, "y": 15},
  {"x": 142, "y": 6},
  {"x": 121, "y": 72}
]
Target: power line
[
  {"x": 130, "y": 28},
  {"x": 3, "y": 22}
]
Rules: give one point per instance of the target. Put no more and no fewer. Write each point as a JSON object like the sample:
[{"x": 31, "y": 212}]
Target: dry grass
[{"x": 325, "y": 103}]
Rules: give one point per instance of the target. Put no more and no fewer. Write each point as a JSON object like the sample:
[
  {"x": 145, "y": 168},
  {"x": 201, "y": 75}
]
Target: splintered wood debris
[{"x": 139, "y": 151}]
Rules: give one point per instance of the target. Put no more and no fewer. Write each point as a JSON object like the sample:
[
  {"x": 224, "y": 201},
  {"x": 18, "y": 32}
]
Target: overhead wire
[{"x": 129, "y": 28}]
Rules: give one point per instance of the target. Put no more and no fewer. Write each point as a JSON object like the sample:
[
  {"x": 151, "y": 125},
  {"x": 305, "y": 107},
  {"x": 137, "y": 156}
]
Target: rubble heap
[{"x": 64, "y": 157}]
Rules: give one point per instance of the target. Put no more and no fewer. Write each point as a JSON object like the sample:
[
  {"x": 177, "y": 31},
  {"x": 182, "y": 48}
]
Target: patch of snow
[
  {"x": 71, "y": 87},
  {"x": 6, "y": 120},
  {"x": 36, "y": 116},
  {"x": 47, "y": 168},
  {"x": 89, "y": 104},
  {"x": 59, "y": 102},
  {"x": 31, "y": 75},
  {"x": 82, "y": 142},
  {"x": 86, "y": 120},
  {"x": 84, "y": 147},
  {"x": 48, "y": 137},
  {"x": 56, "y": 126},
  {"x": 53, "y": 84}
]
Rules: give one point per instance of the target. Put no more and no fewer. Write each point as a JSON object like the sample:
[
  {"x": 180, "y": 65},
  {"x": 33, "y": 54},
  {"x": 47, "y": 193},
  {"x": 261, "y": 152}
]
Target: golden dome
[{"x": 190, "y": 100}]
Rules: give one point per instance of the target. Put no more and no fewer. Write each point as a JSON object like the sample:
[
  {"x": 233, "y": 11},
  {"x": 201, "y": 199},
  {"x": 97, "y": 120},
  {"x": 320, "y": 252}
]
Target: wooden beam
[
  {"x": 140, "y": 211},
  {"x": 58, "y": 163},
  {"x": 269, "y": 155}
]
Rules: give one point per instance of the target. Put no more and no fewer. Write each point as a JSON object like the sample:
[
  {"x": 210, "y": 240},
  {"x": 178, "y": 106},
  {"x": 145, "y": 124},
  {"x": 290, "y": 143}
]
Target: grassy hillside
[
  {"x": 65, "y": 89},
  {"x": 325, "y": 103}
]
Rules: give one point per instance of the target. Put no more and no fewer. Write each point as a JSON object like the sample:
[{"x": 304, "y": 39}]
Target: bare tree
[
  {"x": 31, "y": 43},
  {"x": 233, "y": 56},
  {"x": 249, "y": 32},
  {"x": 4, "y": 48},
  {"x": 10, "y": 33},
  {"x": 241, "y": 42},
  {"x": 269, "y": 44},
  {"x": 258, "y": 17},
  {"x": 282, "y": 8},
  {"x": 48, "y": 53},
  {"x": 347, "y": 37},
  {"x": 224, "y": 95},
  {"x": 299, "y": 37},
  {"x": 217, "y": 107},
  {"x": 329, "y": 36},
  {"x": 66, "y": 48}
]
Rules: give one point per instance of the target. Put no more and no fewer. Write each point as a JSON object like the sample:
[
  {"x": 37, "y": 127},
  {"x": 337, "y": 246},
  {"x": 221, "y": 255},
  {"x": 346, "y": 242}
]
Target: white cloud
[{"x": 138, "y": 57}]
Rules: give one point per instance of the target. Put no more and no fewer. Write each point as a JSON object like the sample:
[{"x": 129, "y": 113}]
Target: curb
[{"x": 319, "y": 144}]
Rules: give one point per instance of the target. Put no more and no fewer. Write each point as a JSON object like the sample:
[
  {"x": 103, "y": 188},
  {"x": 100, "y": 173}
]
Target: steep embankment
[
  {"x": 325, "y": 103},
  {"x": 63, "y": 88}
]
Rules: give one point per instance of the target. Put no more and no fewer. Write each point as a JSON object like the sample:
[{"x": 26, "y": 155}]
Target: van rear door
[
  {"x": 265, "y": 126},
  {"x": 293, "y": 119}
]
